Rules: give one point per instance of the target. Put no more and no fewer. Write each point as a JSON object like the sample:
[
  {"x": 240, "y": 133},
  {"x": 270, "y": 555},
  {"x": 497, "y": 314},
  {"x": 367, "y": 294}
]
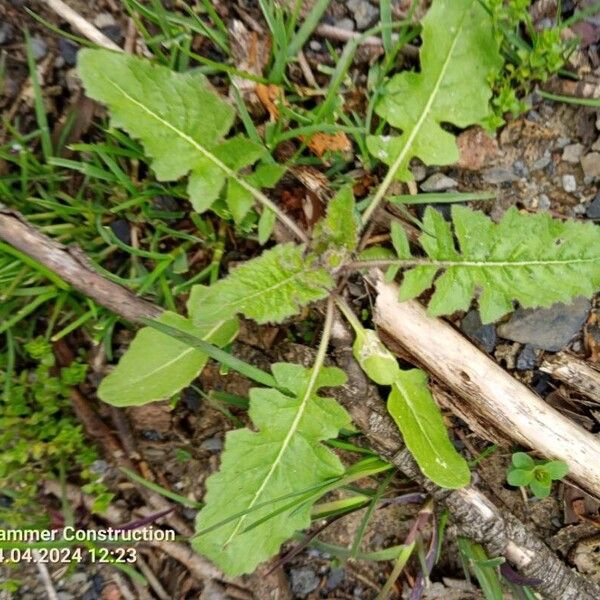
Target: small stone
[
  {"x": 498, "y": 175},
  {"x": 572, "y": 153},
  {"x": 569, "y": 183},
  {"x": 315, "y": 45},
  {"x": 303, "y": 581},
  {"x": 561, "y": 142},
  {"x": 100, "y": 467},
  {"x": 590, "y": 164},
  {"x": 476, "y": 148},
  {"x": 103, "y": 19},
  {"x": 438, "y": 182},
  {"x": 547, "y": 328},
  {"x": 39, "y": 48},
  {"x": 78, "y": 578},
  {"x": 541, "y": 163},
  {"x": 419, "y": 172},
  {"x": 334, "y": 579},
  {"x": 68, "y": 51},
  {"x": 213, "y": 590},
  {"x": 543, "y": 202},
  {"x": 520, "y": 169},
  {"x": 527, "y": 358},
  {"x": 365, "y": 15},
  {"x": 122, "y": 231},
  {"x": 113, "y": 33},
  {"x": 596, "y": 145},
  {"x": 593, "y": 209},
  {"x": 347, "y": 24},
  {"x": 6, "y": 33},
  {"x": 483, "y": 336},
  {"x": 214, "y": 444}
]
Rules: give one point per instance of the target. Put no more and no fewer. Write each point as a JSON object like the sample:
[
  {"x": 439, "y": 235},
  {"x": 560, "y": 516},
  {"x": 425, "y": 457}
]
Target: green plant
[
  {"x": 40, "y": 435},
  {"x": 531, "y": 56},
  {"x": 536, "y": 475},
  {"x": 270, "y": 479}
]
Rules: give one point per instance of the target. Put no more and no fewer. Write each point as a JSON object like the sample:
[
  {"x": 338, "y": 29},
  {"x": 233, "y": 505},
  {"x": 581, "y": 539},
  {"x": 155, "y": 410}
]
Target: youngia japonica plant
[{"x": 270, "y": 477}]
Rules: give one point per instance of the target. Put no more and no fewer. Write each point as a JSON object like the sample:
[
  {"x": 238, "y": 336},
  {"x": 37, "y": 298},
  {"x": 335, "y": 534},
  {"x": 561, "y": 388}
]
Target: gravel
[
  {"x": 39, "y": 48},
  {"x": 590, "y": 164},
  {"x": 365, "y": 15},
  {"x": 483, "y": 336},
  {"x": 527, "y": 358},
  {"x": 569, "y": 183},
  {"x": 498, "y": 175},
  {"x": 572, "y": 153},
  {"x": 593, "y": 209}
]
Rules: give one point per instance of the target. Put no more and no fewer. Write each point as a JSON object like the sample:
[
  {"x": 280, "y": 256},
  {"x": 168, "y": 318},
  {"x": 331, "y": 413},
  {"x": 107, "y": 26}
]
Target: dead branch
[
  {"x": 489, "y": 393},
  {"x": 73, "y": 267},
  {"x": 575, "y": 372}
]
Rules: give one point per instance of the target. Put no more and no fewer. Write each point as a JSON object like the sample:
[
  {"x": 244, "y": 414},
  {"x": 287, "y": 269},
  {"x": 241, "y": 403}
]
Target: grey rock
[
  {"x": 6, "y": 33},
  {"x": 541, "y": 163},
  {"x": 334, "y": 579},
  {"x": 596, "y": 145},
  {"x": 569, "y": 183},
  {"x": 114, "y": 33},
  {"x": 547, "y": 328},
  {"x": 214, "y": 444},
  {"x": 315, "y": 45},
  {"x": 572, "y": 153},
  {"x": 103, "y": 19},
  {"x": 483, "y": 336},
  {"x": 593, "y": 209},
  {"x": 543, "y": 202},
  {"x": 590, "y": 164},
  {"x": 99, "y": 467},
  {"x": 520, "y": 168},
  {"x": 363, "y": 12},
  {"x": 438, "y": 182},
  {"x": 347, "y": 24},
  {"x": 527, "y": 358},
  {"x": 303, "y": 581},
  {"x": 68, "y": 51},
  {"x": 498, "y": 175},
  {"x": 419, "y": 172},
  {"x": 122, "y": 231},
  {"x": 39, "y": 48},
  {"x": 561, "y": 142}
]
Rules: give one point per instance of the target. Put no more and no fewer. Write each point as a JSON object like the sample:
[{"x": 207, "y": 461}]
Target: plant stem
[{"x": 349, "y": 314}]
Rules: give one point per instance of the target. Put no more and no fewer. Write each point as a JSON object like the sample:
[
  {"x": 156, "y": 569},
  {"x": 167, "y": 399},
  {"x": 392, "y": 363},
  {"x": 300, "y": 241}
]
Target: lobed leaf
[
  {"x": 180, "y": 121},
  {"x": 260, "y": 470},
  {"x": 458, "y": 54},
  {"x": 268, "y": 288},
  {"x": 534, "y": 259}
]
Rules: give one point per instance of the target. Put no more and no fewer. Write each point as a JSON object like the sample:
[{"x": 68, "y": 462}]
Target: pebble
[
  {"x": 561, "y": 142},
  {"x": 547, "y": 328},
  {"x": 214, "y": 444},
  {"x": 593, "y": 209},
  {"x": 596, "y": 145},
  {"x": 303, "y": 581},
  {"x": 68, "y": 51},
  {"x": 590, "y": 164},
  {"x": 39, "y": 48},
  {"x": 543, "y": 202},
  {"x": 6, "y": 33},
  {"x": 527, "y": 358},
  {"x": 213, "y": 591},
  {"x": 122, "y": 231},
  {"x": 541, "y": 163},
  {"x": 103, "y": 19},
  {"x": 569, "y": 183},
  {"x": 347, "y": 24},
  {"x": 572, "y": 153},
  {"x": 419, "y": 172},
  {"x": 438, "y": 182},
  {"x": 315, "y": 45},
  {"x": 334, "y": 579},
  {"x": 483, "y": 336},
  {"x": 498, "y": 175},
  {"x": 365, "y": 15},
  {"x": 113, "y": 33},
  {"x": 520, "y": 168}
]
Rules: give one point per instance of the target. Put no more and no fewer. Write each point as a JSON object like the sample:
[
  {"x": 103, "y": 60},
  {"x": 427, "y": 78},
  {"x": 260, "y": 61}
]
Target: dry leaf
[
  {"x": 320, "y": 143},
  {"x": 270, "y": 95}
]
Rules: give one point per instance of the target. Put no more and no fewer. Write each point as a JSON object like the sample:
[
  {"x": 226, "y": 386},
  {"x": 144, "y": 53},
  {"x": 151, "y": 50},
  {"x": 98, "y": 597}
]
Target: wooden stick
[
  {"x": 82, "y": 25},
  {"x": 574, "y": 372},
  {"x": 489, "y": 393},
  {"x": 72, "y": 266}
]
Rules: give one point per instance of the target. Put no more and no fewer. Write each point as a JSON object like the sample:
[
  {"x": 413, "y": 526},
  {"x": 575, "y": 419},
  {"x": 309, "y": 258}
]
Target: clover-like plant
[
  {"x": 271, "y": 476},
  {"x": 538, "y": 476}
]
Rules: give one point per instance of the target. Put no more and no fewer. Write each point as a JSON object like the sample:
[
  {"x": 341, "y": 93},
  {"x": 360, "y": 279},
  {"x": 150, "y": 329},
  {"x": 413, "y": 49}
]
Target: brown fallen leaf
[
  {"x": 320, "y": 143},
  {"x": 270, "y": 95}
]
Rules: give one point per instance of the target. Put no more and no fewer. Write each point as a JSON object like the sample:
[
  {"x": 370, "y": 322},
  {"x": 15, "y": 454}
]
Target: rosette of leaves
[{"x": 537, "y": 475}]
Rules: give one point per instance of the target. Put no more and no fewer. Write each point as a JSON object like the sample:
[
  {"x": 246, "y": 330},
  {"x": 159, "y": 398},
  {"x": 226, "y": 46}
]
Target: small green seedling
[{"x": 537, "y": 475}]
